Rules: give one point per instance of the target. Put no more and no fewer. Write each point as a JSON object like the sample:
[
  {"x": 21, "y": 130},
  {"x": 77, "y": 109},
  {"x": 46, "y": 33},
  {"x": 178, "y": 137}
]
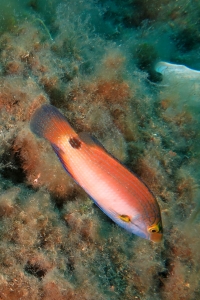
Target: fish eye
[
  {"x": 155, "y": 228},
  {"x": 155, "y": 232}
]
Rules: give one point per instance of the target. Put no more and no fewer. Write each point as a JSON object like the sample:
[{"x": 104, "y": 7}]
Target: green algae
[{"x": 55, "y": 243}]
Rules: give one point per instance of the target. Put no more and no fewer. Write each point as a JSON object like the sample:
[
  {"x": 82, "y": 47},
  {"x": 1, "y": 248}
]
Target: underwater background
[{"x": 95, "y": 61}]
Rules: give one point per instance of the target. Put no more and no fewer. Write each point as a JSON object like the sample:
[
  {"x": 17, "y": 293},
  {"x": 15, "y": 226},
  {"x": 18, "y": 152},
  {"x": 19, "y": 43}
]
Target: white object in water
[
  {"x": 180, "y": 70},
  {"x": 180, "y": 83}
]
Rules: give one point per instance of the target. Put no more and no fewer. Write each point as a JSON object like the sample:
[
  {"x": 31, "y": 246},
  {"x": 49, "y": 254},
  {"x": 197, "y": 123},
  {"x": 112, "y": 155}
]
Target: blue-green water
[{"x": 95, "y": 61}]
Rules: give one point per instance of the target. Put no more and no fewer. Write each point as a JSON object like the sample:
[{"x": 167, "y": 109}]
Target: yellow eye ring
[
  {"x": 155, "y": 232},
  {"x": 154, "y": 228}
]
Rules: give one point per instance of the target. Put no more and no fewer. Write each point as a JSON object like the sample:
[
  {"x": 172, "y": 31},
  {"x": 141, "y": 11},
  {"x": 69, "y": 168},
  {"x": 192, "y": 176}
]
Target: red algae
[
  {"x": 52, "y": 291},
  {"x": 38, "y": 166},
  {"x": 112, "y": 91}
]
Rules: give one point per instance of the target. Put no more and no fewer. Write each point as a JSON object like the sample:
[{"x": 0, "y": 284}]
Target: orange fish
[{"x": 119, "y": 193}]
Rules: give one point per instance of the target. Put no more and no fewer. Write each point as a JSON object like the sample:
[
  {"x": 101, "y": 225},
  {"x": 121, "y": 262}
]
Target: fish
[{"x": 118, "y": 192}]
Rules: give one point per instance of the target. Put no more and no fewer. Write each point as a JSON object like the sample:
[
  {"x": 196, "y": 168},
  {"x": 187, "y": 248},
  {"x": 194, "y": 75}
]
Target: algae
[{"x": 55, "y": 243}]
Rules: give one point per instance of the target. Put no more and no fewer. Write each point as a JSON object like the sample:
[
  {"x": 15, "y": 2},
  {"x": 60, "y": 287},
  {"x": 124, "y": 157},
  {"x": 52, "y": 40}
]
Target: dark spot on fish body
[{"x": 75, "y": 142}]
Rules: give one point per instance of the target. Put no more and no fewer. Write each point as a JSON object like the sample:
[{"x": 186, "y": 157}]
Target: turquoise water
[{"x": 96, "y": 61}]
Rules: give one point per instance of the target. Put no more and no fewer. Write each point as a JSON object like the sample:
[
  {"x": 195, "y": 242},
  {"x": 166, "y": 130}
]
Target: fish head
[
  {"x": 155, "y": 231},
  {"x": 147, "y": 228}
]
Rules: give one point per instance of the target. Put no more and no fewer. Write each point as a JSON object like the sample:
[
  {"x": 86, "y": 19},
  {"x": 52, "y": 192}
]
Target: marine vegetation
[{"x": 100, "y": 64}]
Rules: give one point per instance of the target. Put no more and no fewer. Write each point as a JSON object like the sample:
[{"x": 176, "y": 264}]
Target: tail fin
[{"x": 49, "y": 123}]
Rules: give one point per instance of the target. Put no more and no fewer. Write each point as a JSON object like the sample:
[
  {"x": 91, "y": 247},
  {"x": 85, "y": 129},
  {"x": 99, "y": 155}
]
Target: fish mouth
[
  {"x": 156, "y": 237},
  {"x": 155, "y": 231}
]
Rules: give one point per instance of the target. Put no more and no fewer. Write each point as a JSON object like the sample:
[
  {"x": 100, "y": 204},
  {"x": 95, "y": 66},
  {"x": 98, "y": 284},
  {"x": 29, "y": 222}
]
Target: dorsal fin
[{"x": 90, "y": 140}]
